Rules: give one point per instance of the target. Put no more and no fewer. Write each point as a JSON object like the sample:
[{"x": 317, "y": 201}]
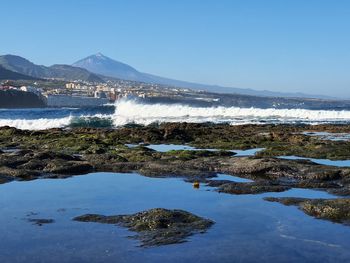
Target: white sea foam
[
  {"x": 98, "y": 115},
  {"x": 128, "y": 111},
  {"x": 48, "y": 123},
  {"x": 133, "y": 112},
  {"x": 36, "y": 124}
]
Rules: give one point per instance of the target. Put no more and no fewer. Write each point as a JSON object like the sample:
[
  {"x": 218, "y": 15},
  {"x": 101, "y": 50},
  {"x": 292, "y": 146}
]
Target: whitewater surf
[
  {"x": 131, "y": 111},
  {"x": 128, "y": 111}
]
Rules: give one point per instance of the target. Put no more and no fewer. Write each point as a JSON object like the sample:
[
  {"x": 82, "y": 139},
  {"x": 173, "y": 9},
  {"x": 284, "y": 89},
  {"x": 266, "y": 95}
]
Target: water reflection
[
  {"x": 339, "y": 163},
  {"x": 171, "y": 147},
  {"x": 246, "y": 228},
  {"x": 232, "y": 178}
]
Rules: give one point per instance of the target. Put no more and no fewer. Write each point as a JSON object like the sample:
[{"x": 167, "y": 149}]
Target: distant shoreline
[{"x": 19, "y": 99}]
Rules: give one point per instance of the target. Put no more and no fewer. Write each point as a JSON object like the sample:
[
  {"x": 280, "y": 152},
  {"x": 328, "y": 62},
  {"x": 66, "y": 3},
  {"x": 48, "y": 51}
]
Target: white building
[
  {"x": 32, "y": 90},
  {"x": 100, "y": 94}
]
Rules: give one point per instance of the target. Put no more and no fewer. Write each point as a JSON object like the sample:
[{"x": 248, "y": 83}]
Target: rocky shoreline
[{"x": 58, "y": 153}]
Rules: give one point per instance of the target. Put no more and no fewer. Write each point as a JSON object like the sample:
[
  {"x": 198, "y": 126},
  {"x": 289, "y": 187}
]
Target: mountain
[
  {"x": 106, "y": 66},
  {"x": 6, "y": 74},
  {"x": 23, "y": 66}
]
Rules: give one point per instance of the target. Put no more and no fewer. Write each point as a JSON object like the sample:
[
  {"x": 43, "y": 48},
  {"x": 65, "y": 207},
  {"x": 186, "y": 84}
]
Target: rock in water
[
  {"x": 40, "y": 221},
  {"x": 156, "y": 227},
  {"x": 336, "y": 210}
]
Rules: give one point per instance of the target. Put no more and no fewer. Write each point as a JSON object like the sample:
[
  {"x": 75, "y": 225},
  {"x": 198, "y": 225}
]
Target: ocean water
[{"x": 129, "y": 111}]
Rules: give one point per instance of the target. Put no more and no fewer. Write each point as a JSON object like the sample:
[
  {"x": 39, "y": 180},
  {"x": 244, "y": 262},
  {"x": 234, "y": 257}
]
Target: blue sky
[{"x": 280, "y": 45}]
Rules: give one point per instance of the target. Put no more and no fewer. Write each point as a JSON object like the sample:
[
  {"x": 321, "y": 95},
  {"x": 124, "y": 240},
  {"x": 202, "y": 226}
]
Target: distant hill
[
  {"x": 72, "y": 73},
  {"x": 23, "y": 66},
  {"x": 6, "y": 74},
  {"x": 106, "y": 66}
]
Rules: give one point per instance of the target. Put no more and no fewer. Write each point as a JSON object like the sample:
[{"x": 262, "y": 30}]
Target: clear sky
[{"x": 279, "y": 45}]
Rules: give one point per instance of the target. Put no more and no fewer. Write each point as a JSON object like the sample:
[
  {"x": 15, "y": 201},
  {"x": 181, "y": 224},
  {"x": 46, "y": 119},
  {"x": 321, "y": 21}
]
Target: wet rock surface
[
  {"x": 335, "y": 210},
  {"x": 5, "y": 179},
  {"x": 59, "y": 153},
  {"x": 156, "y": 227},
  {"x": 246, "y": 188},
  {"x": 277, "y": 139},
  {"x": 40, "y": 221},
  {"x": 30, "y": 164}
]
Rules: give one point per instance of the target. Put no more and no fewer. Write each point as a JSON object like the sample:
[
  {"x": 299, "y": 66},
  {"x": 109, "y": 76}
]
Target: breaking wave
[
  {"x": 95, "y": 121},
  {"x": 134, "y": 112},
  {"x": 98, "y": 120},
  {"x": 129, "y": 111},
  {"x": 36, "y": 124}
]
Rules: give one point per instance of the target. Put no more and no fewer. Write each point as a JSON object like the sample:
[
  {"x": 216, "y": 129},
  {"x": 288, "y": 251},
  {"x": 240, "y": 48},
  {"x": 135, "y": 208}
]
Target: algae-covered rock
[
  {"x": 156, "y": 227},
  {"x": 190, "y": 155},
  {"x": 228, "y": 187},
  {"x": 336, "y": 210},
  {"x": 29, "y": 164},
  {"x": 58, "y": 152},
  {"x": 68, "y": 167}
]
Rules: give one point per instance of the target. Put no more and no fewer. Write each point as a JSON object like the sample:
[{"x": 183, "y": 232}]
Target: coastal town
[
  {"x": 57, "y": 93},
  {"x": 80, "y": 93}
]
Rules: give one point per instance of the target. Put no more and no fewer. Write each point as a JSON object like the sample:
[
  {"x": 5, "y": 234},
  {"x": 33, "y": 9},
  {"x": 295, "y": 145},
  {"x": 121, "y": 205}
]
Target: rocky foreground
[{"x": 27, "y": 155}]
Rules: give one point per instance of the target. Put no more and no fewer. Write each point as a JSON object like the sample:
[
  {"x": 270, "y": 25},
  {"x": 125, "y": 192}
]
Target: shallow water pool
[
  {"x": 247, "y": 229},
  {"x": 339, "y": 163},
  {"x": 171, "y": 147}
]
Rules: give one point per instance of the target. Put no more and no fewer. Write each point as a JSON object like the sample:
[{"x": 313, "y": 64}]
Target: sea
[{"x": 135, "y": 112}]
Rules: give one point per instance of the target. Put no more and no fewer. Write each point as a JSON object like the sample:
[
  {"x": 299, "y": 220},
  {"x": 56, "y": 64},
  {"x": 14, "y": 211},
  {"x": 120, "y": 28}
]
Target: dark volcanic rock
[
  {"x": 246, "y": 188},
  {"x": 177, "y": 169},
  {"x": 18, "y": 173},
  {"x": 336, "y": 210},
  {"x": 264, "y": 167},
  {"x": 5, "y": 179},
  {"x": 68, "y": 167},
  {"x": 286, "y": 200},
  {"x": 28, "y": 164},
  {"x": 60, "y": 152},
  {"x": 157, "y": 226},
  {"x": 274, "y": 168},
  {"x": 41, "y": 221}
]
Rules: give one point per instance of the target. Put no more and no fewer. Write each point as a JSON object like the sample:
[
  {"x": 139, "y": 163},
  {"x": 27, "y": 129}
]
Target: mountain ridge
[
  {"x": 103, "y": 65},
  {"x": 6, "y": 74},
  {"x": 23, "y": 66},
  {"x": 100, "y": 68}
]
